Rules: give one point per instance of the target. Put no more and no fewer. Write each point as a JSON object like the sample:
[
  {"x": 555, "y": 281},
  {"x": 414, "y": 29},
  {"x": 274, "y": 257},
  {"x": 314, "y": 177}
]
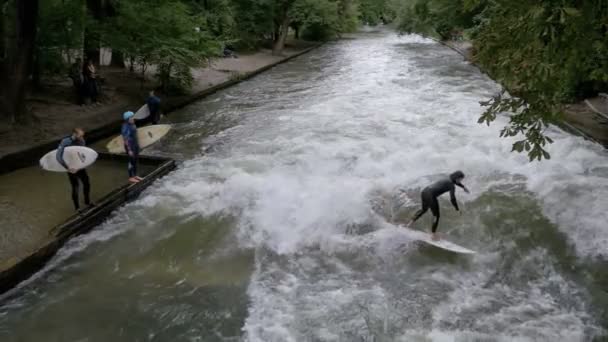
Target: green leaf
[
  {"x": 571, "y": 11},
  {"x": 518, "y": 146}
]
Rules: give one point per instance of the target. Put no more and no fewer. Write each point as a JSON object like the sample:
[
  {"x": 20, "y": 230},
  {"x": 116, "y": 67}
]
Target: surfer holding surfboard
[
  {"x": 131, "y": 144},
  {"x": 431, "y": 193},
  {"x": 75, "y": 176}
]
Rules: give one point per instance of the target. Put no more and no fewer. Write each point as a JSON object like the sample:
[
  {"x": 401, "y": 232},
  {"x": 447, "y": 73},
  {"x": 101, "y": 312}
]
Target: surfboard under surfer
[{"x": 430, "y": 194}]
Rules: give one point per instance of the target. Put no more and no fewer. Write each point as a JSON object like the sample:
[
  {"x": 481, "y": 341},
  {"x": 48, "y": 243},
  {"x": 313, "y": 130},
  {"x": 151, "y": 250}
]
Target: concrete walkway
[
  {"x": 55, "y": 114},
  {"x": 34, "y": 201}
]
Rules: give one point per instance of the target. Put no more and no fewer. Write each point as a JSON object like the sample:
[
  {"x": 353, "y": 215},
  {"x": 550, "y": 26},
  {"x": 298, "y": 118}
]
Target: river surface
[{"x": 279, "y": 225}]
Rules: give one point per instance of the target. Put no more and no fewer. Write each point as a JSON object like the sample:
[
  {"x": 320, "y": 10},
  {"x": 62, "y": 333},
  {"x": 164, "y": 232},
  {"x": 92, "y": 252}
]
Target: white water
[
  {"x": 377, "y": 115},
  {"x": 328, "y": 143}
]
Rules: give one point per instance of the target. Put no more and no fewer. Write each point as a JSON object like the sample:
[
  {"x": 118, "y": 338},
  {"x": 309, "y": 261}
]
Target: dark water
[{"x": 278, "y": 225}]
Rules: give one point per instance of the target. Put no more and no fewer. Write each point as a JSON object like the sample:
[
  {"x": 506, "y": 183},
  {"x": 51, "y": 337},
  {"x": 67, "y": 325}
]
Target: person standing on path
[
  {"x": 129, "y": 136},
  {"x": 90, "y": 80},
  {"x": 77, "y": 80},
  {"x": 153, "y": 102},
  {"x": 75, "y": 176},
  {"x": 431, "y": 193}
]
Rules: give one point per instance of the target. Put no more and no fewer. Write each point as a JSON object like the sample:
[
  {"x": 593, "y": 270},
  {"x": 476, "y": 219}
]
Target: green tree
[
  {"x": 282, "y": 20},
  {"x": 163, "y": 33},
  {"x": 219, "y": 19},
  {"x": 60, "y": 34},
  {"x": 545, "y": 53},
  {"x": 320, "y": 19},
  {"x": 16, "y": 64},
  {"x": 374, "y": 12},
  {"x": 255, "y": 20},
  {"x": 348, "y": 15},
  {"x": 261, "y": 20},
  {"x": 438, "y": 18}
]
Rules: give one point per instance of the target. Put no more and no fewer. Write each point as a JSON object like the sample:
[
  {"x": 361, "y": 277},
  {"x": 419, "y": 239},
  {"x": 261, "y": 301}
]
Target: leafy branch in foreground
[
  {"x": 545, "y": 53},
  {"x": 527, "y": 120}
]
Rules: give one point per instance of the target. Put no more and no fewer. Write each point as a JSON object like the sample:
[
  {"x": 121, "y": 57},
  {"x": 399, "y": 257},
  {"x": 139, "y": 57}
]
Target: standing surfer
[
  {"x": 129, "y": 136},
  {"x": 430, "y": 194},
  {"x": 76, "y": 139}
]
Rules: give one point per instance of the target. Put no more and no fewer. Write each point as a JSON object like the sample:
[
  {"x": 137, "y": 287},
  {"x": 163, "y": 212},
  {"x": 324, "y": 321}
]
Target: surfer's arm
[
  {"x": 64, "y": 143},
  {"x": 453, "y": 199},
  {"x": 463, "y": 187}
]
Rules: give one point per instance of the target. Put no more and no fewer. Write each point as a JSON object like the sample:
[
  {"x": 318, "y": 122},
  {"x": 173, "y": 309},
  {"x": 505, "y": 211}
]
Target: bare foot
[
  {"x": 133, "y": 180},
  {"x": 435, "y": 237}
]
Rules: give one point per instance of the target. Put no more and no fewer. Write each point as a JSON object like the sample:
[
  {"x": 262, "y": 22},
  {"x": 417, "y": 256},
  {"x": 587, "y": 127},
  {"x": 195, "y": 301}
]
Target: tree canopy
[
  {"x": 545, "y": 53},
  {"x": 43, "y": 37}
]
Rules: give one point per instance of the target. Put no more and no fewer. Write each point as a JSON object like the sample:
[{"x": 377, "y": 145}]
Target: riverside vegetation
[{"x": 546, "y": 53}]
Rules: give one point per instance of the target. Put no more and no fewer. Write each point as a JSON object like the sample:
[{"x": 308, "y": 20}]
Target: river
[{"x": 279, "y": 223}]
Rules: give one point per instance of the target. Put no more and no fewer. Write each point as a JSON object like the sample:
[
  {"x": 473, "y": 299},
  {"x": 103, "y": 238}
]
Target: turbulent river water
[{"x": 280, "y": 224}]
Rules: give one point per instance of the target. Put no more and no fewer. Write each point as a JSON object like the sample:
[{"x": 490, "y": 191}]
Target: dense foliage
[
  {"x": 373, "y": 12},
  {"x": 546, "y": 53},
  {"x": 44, "y": 37}
]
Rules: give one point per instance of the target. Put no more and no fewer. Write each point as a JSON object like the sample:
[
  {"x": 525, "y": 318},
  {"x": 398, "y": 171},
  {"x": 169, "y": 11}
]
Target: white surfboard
[
  {"x": 142, "y": 112},
  {"x": 443, "y": 244},
  {"x": 146, "y": 136},
  {"x": 77, "y": 157}
]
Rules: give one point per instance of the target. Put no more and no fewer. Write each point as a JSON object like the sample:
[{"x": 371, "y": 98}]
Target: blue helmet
[{"x": 127, "y": 115}]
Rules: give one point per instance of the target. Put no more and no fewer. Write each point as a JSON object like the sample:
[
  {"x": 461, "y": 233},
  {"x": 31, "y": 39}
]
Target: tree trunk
[
  {"x": 279, "y": 44},
  {"x": 275, "y": 31},
  {"x": 91, "y": 47},
  {"x": 3, "y": 30},
  {"x": 118, "y": 59},
  {"x": 83, "y": 27},
  {"x": 297, "y": 32},
  {"x": 100, "y": 10},
  {"x": 18, "y": 64}
]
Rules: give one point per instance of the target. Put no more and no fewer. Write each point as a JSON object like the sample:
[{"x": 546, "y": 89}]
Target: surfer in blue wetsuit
[
  {"x": 75, "y": 176},
  {"x": 129, "y": 136},
  {"x": 431, "y": 193}
]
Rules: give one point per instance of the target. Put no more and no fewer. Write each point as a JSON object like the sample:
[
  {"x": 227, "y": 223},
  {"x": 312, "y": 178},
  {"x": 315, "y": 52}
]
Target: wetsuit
[
  {"x": 154, "y": 107},
  {"x": 129, "y": 136},
  {"x": 429, "y": 197},
  {"x": 80, "y": 175},
  {"x": 90, "y": 81},
  {"x": 77, "y": 81}
]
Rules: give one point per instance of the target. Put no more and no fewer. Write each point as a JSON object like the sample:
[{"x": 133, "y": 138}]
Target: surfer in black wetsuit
[
  {"x": 76, "y": 139},
  {"x": 429, "y": 198}
]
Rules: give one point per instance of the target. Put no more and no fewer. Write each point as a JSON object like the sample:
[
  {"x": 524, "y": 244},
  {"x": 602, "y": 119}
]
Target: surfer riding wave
[{"x": 430, "y": 194}]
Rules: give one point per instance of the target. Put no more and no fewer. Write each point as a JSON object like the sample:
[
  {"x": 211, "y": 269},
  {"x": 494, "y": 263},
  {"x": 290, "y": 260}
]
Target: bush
[{"x": 544, "y": 53}]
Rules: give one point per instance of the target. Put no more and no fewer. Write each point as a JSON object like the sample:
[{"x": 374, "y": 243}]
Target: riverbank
[
  {"x": 588, "y": 118},
  {"x": 279, "y": 232},
  {"x": 30, "y": 219},
  {"x": 55, "y": 113}
]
